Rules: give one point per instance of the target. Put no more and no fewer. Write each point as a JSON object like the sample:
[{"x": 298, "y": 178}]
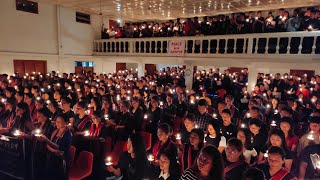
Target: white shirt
[
  {"x": 248, "y": 154},
  {"x": 165, "y": 176},
  {"x": 223, "y": 141}
]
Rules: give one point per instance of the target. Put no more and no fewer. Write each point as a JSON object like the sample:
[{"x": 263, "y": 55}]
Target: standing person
[
  {"x": 169, "y": 167},
  {"x": 258, "y": 25},
  {"x": 191, "y": 150},
  {"x": 229, "y": 130},
  {"x": 133, "y": 164},
  {"x": 234, "y": 162},
  {"x": 214, "y": 136},
  {"x": 307, "y": 169},
  {"x": 208, "y": 166},
  {"x": 58, "y": 159},
  {"x": 274, "y": 169},
  {"x": 169, "y": 111},
  {"x": 244, "y": 135},
  {"x": 202, "y": 116},
  {"x": 153, "y": 118}
]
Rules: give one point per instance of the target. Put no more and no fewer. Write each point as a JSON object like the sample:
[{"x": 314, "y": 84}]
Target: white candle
[
  {"x": 273, "y": 123},
  {"x": 243, "y": 125},
  {"x": 265, "y": 154},
  {"x": 37, "y": 133},
  {"x": 150, "y": 158},
  {"x": 109, "y": 163},
  {"x": 17, "y": 133},
  {"x": 178, "y": 136},
  {"x": 86, "y": 133}
]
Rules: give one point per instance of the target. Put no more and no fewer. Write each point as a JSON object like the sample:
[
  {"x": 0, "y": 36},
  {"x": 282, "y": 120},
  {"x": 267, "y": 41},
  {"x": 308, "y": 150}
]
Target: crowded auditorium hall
[{"x": 160, "y": 90}]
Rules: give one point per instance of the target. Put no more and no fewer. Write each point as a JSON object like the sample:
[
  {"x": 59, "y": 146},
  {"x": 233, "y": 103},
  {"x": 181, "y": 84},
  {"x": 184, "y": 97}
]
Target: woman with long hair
[
  {"x": 133, "y": 165},
  {"x": 137, "y": 113},
  {"x": 191, "y": 150},
  {"x": 246, "y": 138},
  {"x": 208, "y": 166},
  {"x": 277, "y": 138},
  {"x": 292, "y": 139},
  {"x": 164, "y": 142},
  {"x": 234, "y": 162},
  {"x": 214, "y": 136},
  {"x": 83, "y": 120},
  {"x": 169, "y": 167},
  {"x": 58, "y": 145}
]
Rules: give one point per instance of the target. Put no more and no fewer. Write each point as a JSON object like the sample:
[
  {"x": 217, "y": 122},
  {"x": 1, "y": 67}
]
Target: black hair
[
  {"x": 174, "y": 167},
  {"x": 248, "y": 144},
  {"x": 191, "y": 117},
  {"x": 227, "y": 111},
  {"x": 279, "y": 133},
  {"x": 200, "y": 133},
  {"x": 236, "y": 143},
  {"x": 256, "y": 122},
  {"x": 165, "y": 127},
  {"x": 202, "y": 102},
  {"x": 216, "y": 171},
  {"x": 289, "y": 121},
  {"x": 139, "y": 149},
  {"x": 216, "y": 127},
  {"x": 277, "y": 150}
]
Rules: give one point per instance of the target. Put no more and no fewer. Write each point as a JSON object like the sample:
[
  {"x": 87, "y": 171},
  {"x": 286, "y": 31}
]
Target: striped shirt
[{"x": 189, "y": 174}]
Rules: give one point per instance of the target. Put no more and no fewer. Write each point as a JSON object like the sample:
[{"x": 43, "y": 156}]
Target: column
[
  {"x": 141, "y": 69},
  {"x": 252, "y": 77},
  {"x": 188, "y": 75}
]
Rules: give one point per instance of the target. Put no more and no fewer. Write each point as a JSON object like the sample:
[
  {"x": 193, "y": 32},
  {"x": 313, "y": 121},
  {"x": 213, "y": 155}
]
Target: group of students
[
  {"x": 301, "y": 19},
  {"x": 216, "y": 130}
]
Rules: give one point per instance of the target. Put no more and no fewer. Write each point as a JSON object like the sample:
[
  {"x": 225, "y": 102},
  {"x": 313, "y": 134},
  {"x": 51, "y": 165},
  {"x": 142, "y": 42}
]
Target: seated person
[{"x": 214, "y": 136}]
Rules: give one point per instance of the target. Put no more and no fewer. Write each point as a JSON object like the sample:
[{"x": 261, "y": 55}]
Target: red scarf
[
  {"x": 95, "y": 132},
  {"x": 83, "y": 123},
  {"x": 11, "y": 120},
  {"x": 280, "y": 174},
  {"x": 189, "y": 157},
  {"x": 232, "y": 166},
  {"x": 158, "y": 147}
]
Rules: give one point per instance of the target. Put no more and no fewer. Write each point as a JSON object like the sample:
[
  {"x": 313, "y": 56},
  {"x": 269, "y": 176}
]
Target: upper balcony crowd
[{"x": 301, "y": 19}]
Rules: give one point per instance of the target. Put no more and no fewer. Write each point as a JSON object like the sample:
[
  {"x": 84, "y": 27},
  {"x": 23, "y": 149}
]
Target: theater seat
[
  {"x": 73, "y": 154},
  {"x": 147, "y": 139},
  {"x": 119, "y": 147},
  {"x": 82, "y": 167}
]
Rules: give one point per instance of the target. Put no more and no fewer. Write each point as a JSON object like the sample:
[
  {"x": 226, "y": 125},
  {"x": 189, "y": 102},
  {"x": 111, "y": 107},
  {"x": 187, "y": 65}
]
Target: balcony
[{"x": 240, "y": 45}]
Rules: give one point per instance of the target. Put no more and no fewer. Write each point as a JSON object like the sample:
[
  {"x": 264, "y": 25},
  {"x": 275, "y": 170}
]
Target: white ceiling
[{"x": 135, "y": 10}]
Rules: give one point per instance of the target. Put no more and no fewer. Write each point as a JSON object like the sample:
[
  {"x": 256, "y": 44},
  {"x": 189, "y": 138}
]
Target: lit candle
[
  {"x": 214, "y": 115},
  {"x": 145, "y": 116},
  {"x": 106, "y": 117},
  {"x": 3, "y": 100},
  {"x": 191, "y": 101},
  {"x": 196, "y": 126},
  {"x": 268, "y": 106},
  {"x": 161, "y": 103},
  {"x": 178, "y": 136},
  {"x": 150, "y": 158},
  {"x": 248, "y": 115},
  {"x": 86, "y": 133},
  {"x": 17, "y": 133},
  {"x": 265, "y": 154},
  {"x": 197, "y": 97},
  {"x": 109, "y": 163},
  {"x": 37, "y": 133},
  {"x": 243, "y": 125},
  {"x": 276, "y": 111},
  {"x": 310, "y": 136},
  {"x": 273, "y": 123},
  {"x": 128, "y": 98}
]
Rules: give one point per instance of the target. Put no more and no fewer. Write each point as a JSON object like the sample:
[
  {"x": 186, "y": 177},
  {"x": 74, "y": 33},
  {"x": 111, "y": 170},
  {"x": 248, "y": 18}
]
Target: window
[
  {"x": 27, "y": 6},
  {"x": 83, "y": 18},
  {"x": 84, "y": 64}
]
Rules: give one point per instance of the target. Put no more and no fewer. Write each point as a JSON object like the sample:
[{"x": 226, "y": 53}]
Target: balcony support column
[
  {"x": 141, "y": 68},
  {"x": 188, "y": 75},
  {"x": 252, "y": 77}
]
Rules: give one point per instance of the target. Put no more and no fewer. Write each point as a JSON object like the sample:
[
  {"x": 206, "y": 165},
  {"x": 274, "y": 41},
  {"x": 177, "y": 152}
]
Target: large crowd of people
[
  {"x": 215, "y": 130},
  {"x": 301, "y": 19}
]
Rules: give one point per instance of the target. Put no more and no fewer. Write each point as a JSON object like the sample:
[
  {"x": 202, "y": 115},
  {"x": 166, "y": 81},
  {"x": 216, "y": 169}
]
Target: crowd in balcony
[
  {"x": 153, "y": 127},
  {"x": 240, "y": 23}
]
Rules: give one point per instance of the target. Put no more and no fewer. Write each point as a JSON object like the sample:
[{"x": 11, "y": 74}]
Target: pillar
[
  {"x": 252, "y": 77},
  {"x": 141, "y": 68},
  {"x": 188, "y": 75}
]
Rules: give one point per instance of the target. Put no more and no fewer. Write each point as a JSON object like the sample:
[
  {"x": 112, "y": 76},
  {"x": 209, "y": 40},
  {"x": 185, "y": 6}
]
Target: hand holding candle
[
  {"x": 150, "y": 158},
  {"x": 109, "y": 163}
]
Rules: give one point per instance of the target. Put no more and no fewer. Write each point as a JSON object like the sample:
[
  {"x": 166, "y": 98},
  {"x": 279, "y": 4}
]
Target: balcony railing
[{"x": 293, "y": 43}]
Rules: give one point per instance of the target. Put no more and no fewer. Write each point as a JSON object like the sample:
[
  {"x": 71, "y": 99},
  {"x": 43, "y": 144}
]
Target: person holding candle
[
  {"x": 228, "y": 129},
  {"x": 22, "y": 121},
  {"x": 40, "y": 150},
  {"x": 58, "y": 158},
  {"x": 137, "y": 113},
  {"x": 277, "y": 138},
  {"x": 133, "y": 165},
  {"x": 258, "y": 137},
  {"x": 202, "y": 116},
  {"x": 314, "y": 126},
  {"x": 66, "y": 109},
  {"x": 8, "y": 116},
  {"x": 164, "y": 142},
  {"x": 209, "y": 165},
  {"x": 191, "y": 150},
  {"x": 234, "y": 162},
  {"x": 153, "y": 118},
  {"x": 292, "y": 140},
  {"x": 83, "y": 120},
  {"x": 274, "y": 169},
  {"x": 185, "y": 131},
  {"x": 214, "y": 136},
  {"x": 245, "y": 136},
  {"x": 307, "y": 169},
  {"x": 54, "y": 109},
  {"x": 169, "y": 167}
]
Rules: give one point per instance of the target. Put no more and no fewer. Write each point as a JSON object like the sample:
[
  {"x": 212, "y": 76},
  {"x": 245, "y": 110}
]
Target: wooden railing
[{"x": 287, "y": 43}]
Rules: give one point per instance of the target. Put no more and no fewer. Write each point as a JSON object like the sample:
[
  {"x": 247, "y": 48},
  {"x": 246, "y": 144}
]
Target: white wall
[{"x": 27, "y": 32}]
